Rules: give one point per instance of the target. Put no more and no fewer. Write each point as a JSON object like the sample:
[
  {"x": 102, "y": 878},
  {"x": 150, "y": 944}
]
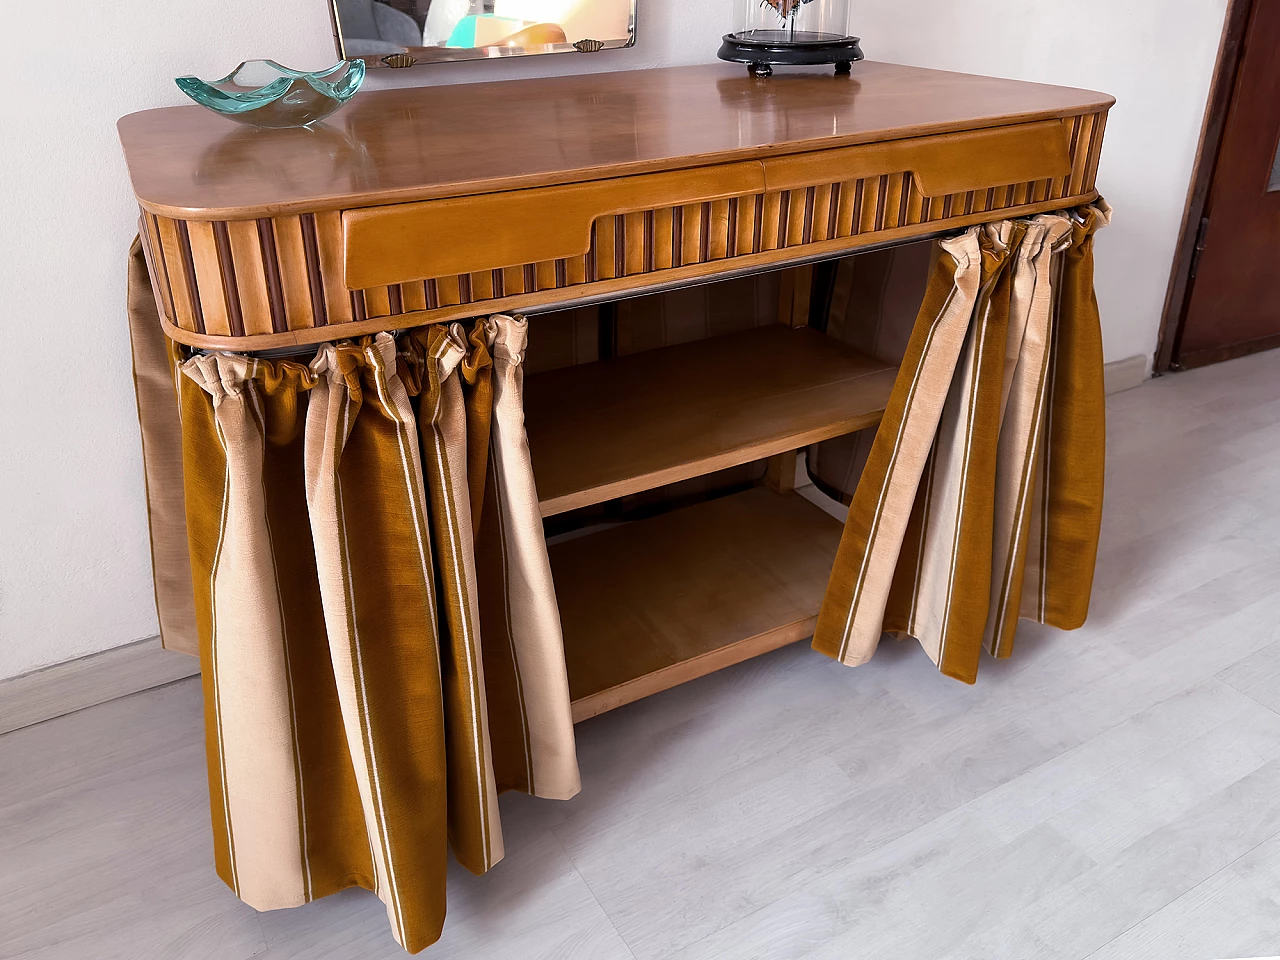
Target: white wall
[
  {"x": 1155, "y": 56},
  {"x": 74, "y": 563}
]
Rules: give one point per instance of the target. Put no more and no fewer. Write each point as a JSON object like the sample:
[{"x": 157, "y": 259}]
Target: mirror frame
[{"x": 456, "y": 54}]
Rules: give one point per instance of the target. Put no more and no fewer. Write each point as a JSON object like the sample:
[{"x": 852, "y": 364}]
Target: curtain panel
[
  {"x": 155, "y": 384},
  {"x": 981, "y": 496},
  {"x": 356, "y": 525}
]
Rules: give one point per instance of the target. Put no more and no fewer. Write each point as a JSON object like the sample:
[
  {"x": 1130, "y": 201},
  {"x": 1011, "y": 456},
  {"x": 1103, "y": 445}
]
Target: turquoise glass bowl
[{"x": 262, "y": 93}]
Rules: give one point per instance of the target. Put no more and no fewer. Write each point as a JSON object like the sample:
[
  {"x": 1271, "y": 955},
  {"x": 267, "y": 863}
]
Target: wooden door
[{"x": 1234, "y": 303}]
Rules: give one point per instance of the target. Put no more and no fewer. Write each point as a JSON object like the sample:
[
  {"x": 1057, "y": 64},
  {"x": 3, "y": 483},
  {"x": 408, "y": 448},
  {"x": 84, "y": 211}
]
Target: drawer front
[
  {"x": 939, "y": 166},
  {"x": 435, "y": 238}
]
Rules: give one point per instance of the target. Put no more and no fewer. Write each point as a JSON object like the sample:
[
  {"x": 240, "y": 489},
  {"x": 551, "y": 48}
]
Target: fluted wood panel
[{"x": 256, "y": 282}]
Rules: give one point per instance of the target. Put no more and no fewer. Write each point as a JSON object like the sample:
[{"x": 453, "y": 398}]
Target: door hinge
[{"x": 1199, "y": 247}]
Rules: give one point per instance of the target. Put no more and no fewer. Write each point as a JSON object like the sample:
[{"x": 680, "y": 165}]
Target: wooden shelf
[
  {"x": 606, "y": 429},
  {"x": 649, "y": 605}
]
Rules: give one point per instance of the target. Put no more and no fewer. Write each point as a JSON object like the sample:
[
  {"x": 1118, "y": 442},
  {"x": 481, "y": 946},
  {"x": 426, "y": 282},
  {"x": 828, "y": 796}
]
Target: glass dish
[{"x": 265, "y": 94}]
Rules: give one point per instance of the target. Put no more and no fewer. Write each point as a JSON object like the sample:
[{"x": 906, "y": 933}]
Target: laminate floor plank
[
  {"x": 1257, "y": 676},
  {"x": 1105, "y": 794},
  {"x": 1085, "y": 914},
  {"x": 874, "y": 907},
  {"x": 1235, "y": 913},
  {"x": 532, "y": 905},
  {"x": 105, "y": 848},
  {"x": 56, "y": 691},
  {"x": 1140, "y": 797}
]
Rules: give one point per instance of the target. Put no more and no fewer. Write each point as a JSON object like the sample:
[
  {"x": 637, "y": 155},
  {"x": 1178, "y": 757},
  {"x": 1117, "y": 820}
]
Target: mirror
[{"x": 405, "y": 33}]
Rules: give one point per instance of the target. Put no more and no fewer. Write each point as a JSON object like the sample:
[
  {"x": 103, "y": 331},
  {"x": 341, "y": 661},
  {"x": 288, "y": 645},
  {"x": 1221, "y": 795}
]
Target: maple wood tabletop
[{"x": 419, "y": 143}]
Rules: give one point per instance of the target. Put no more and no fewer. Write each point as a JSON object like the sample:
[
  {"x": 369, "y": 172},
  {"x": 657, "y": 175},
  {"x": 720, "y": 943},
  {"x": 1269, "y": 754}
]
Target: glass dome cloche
[{"x": 790, "y": 32}]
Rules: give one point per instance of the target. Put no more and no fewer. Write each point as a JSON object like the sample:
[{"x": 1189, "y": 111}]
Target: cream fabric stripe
[
  {"x": 1022, "y": 423},
  {"x": 505, "y": 561},
  {"x": 251, "y": 675},
  {"x": 890, "y": 496},
  {"x": 213, "y": 660},
  {"x": 329, "y": 418},
  {"x": 1022, "y": 410},
  {"x": 931, "y": 598},
  {"x": 534, "y": 616},
  {"x": 948, "y": 496},
  {"x": 926, "y": 499},
  {"x": 155, "y": 382},
  {"x": 449, "y": 446},
  {"x": 880, "y": 576},
  {"x": 260, "y": 415},
  {"x": 911, "y": 446}
]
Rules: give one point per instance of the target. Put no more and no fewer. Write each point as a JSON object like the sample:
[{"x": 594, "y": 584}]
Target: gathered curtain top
[
  {"x": 500, "y": 336},
  {"x": 422, "y": 359}
]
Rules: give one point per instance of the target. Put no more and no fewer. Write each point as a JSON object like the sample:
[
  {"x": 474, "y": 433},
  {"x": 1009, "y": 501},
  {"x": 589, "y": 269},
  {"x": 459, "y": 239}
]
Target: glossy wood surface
[
  {"x": 606, "y": 429},
  {"x": 652, "y": 604},
  {"x": 395, "y": 243},
  {"x": 425, "y": 142}
]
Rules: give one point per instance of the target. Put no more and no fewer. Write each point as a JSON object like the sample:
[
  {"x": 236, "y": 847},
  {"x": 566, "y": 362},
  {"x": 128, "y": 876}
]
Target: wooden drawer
[
  {"x": 941, "y": 165},
  {"x": 405, "y": 242},
  {"x": 436, "y": 238}
]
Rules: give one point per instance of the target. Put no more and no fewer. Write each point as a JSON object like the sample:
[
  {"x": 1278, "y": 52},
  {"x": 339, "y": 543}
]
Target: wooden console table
[{"x": 429, "y": 204}]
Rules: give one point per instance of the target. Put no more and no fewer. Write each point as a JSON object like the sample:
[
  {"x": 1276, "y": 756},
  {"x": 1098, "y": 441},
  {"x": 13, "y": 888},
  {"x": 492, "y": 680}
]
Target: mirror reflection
[{"x": 402, "y": 33}]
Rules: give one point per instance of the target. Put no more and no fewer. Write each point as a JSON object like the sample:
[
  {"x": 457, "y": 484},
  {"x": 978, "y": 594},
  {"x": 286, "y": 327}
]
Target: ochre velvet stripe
[
  {"x": 443, "y": 426},
  {"x": 476, "y": 370},
  {"x": 1065, "y": 528}
]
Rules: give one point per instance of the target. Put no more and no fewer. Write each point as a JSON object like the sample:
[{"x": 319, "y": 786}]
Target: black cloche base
[{"x": 761, "y": 48}]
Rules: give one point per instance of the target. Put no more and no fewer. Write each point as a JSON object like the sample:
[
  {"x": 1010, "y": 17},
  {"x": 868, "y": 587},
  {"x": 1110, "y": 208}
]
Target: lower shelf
[{"x": 653, "y": 604}]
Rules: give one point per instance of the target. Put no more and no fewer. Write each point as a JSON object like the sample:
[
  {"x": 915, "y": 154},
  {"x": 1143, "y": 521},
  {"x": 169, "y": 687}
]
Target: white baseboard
[
  {"x": 88, "y": 681},
  {"x": 1120, "y": 375}
]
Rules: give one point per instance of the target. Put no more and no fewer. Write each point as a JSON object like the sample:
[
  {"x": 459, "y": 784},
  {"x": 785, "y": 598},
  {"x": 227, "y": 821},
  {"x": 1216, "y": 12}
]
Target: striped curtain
[
  {"x": 981, "y": 497},
  {"x": 355, "y": 525}
]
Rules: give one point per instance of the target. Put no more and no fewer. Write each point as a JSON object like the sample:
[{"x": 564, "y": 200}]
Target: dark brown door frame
[{"x": 1215, "y": 117}]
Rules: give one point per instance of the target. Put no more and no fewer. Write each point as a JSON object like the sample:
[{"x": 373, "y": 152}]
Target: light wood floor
[{"x": 1113, "y": 793}]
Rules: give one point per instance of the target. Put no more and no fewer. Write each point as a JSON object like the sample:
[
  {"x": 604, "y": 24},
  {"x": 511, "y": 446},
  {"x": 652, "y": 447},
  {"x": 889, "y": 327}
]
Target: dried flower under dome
[{"x": 784, "y": 8}]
